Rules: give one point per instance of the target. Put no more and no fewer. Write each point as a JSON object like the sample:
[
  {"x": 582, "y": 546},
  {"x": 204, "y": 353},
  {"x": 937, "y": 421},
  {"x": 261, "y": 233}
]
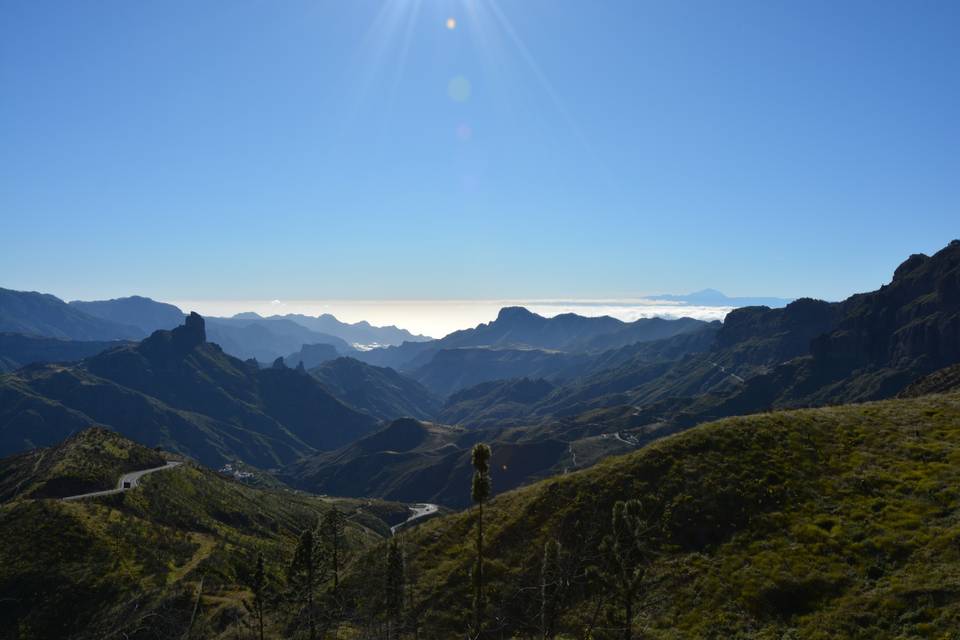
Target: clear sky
[{"x": 432, "y": 149}]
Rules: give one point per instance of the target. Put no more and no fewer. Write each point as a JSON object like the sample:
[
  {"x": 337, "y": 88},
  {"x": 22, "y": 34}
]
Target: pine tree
[
  {"x": 627, "y": 553},
  {"x": 480, "y": 492},
  {"x": 259, "y": 583},
  {"x": 551, "y": 588},
  {"x": 332, "y": 531},
  {"x": 306, "y": 573},
  {"x": 395, "y": 580}
]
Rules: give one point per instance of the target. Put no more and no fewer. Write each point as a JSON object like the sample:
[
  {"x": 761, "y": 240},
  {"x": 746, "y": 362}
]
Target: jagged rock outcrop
[{"x": 191, "y": 333}]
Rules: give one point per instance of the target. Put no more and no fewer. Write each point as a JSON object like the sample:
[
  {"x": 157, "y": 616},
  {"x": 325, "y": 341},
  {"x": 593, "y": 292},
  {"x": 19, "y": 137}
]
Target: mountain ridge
[{"x": 178, "y": 390}]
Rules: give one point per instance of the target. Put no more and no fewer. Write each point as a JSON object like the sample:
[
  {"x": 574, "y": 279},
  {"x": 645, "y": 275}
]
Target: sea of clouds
[{"x": 437, "y": 318}]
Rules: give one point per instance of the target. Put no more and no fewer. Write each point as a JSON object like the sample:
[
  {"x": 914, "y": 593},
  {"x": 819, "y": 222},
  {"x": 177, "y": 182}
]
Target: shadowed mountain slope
[
  {"x": 413, "y": 461},
  {"x": 381, "y": 392},
  {"x": 42, "y": 314},
  {"x": 177, "y": 390},
  {"x": 146, "y": 314},
  {"x": 266, "y": 339},
  {"x": 451, "y": 370},
  {"x": 18, "y": 350}
]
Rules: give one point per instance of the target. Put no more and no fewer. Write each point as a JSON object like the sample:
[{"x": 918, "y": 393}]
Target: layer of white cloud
[{"x": 437, "y": 318}]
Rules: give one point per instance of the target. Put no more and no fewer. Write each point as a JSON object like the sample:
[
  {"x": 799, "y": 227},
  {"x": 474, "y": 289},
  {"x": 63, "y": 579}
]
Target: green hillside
[
  {"x": 840, "y": 522},
  {"x": 92, "y": 460},
  {"x": 143, "y": 563}
]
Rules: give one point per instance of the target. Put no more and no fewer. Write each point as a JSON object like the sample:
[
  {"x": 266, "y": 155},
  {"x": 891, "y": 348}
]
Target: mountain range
[
  {"x": 245, "y": 335},
  {"x": 809, "y": 353},
  {"x": 570, "y": 389},
  {"x": 360, "y": 334},
  {"x": 793, "y": 467},
  {"x": 518, "y": 328},
  {"x": 176, "y": 390},
  {"x": 42, "y": 314}
]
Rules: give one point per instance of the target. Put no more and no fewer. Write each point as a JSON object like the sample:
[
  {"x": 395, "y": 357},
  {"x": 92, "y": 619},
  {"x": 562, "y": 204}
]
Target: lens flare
[{"x": 459, "y": 89}]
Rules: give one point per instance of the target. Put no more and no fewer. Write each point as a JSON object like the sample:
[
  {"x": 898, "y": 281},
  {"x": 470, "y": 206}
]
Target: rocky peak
[
  {"x": 909, "y": 265},
  {"x": 191, "y": 333},
  {"x": 512, "y": 314}
]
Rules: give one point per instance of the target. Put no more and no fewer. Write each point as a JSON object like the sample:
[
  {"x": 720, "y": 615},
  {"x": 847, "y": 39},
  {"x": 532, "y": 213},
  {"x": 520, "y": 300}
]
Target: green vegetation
[
  {"x": 480, "y": 493},
  {"x": 92, "y": 460},
  {"x": 393, "y": 589},
  {"x": 813, "y": 524},
  {"x": 188, "y": 554},
  {"x": 820, "y": 523}
]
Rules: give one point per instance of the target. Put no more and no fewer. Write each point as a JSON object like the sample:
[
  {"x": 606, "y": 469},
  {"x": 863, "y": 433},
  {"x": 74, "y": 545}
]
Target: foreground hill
[
  {"x": 42, "y": 314},
  {"x": 177, "y": 390},
  {"x": 90, "y": 461},
  {"x": 833, "y": 522},
  {"x": 171, "y": 558}
]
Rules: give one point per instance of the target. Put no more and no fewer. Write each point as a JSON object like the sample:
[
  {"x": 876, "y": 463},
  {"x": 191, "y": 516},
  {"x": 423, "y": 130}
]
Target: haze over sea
[{"x": 437, "y": 318}]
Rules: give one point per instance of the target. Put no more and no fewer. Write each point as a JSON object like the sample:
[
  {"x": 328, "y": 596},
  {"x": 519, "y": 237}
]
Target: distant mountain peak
[
  {"x": 515, "y": 313},
  {"x": 715, "y": 298},
  {"x": 248, "y": 315}
]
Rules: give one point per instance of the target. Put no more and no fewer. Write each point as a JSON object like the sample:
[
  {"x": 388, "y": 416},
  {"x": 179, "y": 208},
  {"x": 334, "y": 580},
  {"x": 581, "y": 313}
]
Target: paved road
[
  {"x": 127, "y": 481},
  {"x": 732, "y": 375},
  {"x": 418, "y": 511}
]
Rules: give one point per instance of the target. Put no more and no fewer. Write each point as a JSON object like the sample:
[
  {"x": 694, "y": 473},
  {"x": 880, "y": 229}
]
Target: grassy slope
[
  {"x": 132, "y": 563},
  {"x": 822, "y": 523},
  {"x": 92, "y": 460}
]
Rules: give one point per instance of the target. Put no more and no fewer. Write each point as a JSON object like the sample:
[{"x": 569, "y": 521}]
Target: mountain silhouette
[
  {"x": 176, "y": 389},
  {"x": 42, "y": 314},
  {"x": 146, "y": 314}
]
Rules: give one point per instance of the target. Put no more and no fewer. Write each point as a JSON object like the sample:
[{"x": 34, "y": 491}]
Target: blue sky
[{"x": 541, "y": 148}]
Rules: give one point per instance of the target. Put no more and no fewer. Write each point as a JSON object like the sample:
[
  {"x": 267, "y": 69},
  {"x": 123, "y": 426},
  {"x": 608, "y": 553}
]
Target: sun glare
[{"x": 451, "y": 23}]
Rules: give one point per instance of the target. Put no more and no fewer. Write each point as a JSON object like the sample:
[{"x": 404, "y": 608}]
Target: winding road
[
  {"x": 419, "y": 511},
  {"x": 127, "y": 481},
  {"x": 732, "y": 375}
]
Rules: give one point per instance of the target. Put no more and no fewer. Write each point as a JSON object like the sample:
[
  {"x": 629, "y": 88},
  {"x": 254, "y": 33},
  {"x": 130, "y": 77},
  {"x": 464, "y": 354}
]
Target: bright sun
[{"x": 451, "y": 23}]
